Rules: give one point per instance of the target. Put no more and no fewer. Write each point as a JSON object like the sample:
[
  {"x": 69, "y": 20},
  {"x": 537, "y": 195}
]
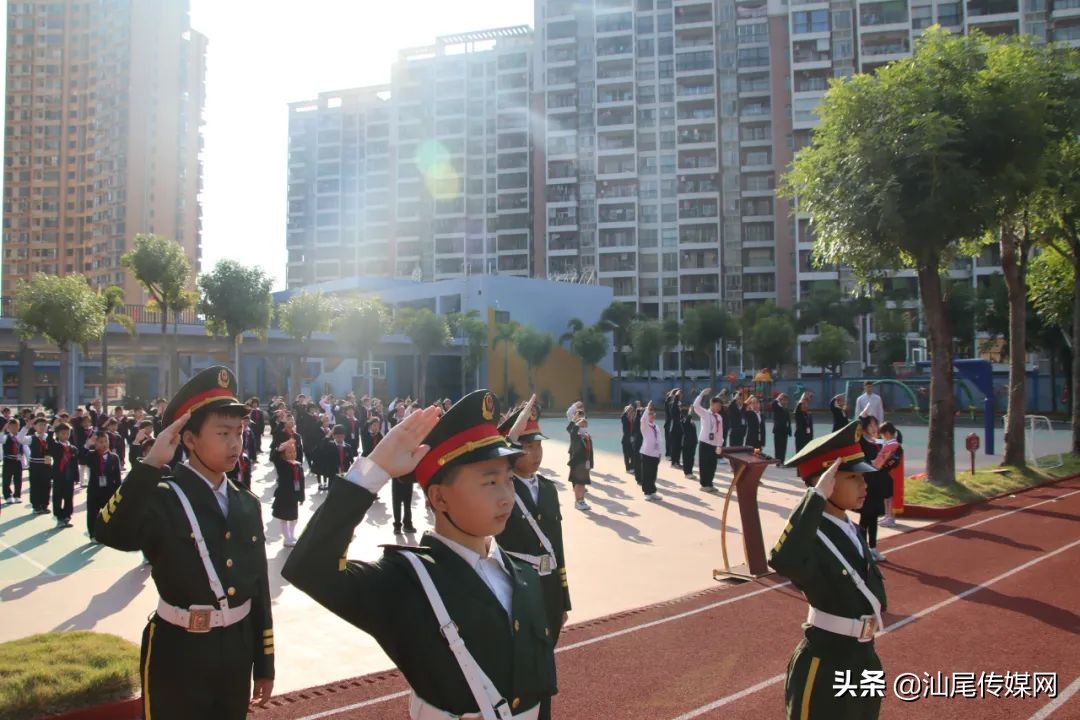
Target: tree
[
  {"x": 670, "y": 329},
  {"x": 428, "y": 332},
  {"x": 360, "y": 325},
  {"x": 960, "y": 304},
  {"x": 473, "y": 332},
  {"x": 534, "y": 347},
  {"x": 830, "y": 348},
  {"x": 1058, "y": 227},
  {"x": 646, "y": 342},
  {"x": 112, "y": 306},
  {"x": 504, "y": 335},
  {"x": 772, "y": 341},
  {"x": 162, "y": 268},
  {"x": 66, "y": 312},
  {"x": 912, "y": 159},
  {"x": 300, "y": 317},
  {"x": 705, "y": 326},
  {"x": 235, "y": 300},
  {"x": 825, "y": 301},
  {"x": 617, "y": 318},
  {"x": 588, "y": 344}
]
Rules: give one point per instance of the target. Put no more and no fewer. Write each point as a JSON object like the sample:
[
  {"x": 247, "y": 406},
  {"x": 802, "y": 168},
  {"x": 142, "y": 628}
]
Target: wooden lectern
[{"x": 748, "y": 467}]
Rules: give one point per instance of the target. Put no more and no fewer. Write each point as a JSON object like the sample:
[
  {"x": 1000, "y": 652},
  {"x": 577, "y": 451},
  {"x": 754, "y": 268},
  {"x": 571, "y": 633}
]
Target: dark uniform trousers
[
  {"x": 800, "y": 556},
  {"x": 40, "y": 485},
  {"x": 401, "y": 496},
  {"x": 12, "y": 478},
  {"x": 515, "y": 652},
  {"x": 195, "y": 675},
  {"x": 706, "y": 463}
]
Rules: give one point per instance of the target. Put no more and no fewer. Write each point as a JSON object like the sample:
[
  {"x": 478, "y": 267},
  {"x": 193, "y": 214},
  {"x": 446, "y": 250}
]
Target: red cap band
[{"x": 454, "y": 446}]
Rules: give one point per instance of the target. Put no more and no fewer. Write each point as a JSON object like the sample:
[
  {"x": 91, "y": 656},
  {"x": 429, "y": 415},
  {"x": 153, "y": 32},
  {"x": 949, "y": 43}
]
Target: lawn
[
  {"x": 58, "y": 671},
  {"x": 987, "y": 482}
]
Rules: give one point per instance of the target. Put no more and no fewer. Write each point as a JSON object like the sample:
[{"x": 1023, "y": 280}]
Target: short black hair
[
  {"x": 61, "y": 426},
  {"x": 339, "y": 430},
  {"x": 865, "y": 421},
  {"x": 100, "y": 434},
  {"x": 887, "y": 427}
]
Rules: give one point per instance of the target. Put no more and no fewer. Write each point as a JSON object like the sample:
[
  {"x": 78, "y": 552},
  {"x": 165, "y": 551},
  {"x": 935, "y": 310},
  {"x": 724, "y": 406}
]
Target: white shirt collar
[
  {"x": 471, "y": 557},
  {"x": 849, "y": 529},
  {"x": 221, "y": 494}
]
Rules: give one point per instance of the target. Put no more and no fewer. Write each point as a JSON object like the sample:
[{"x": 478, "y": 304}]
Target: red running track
[{"x": 995, "y": 591}]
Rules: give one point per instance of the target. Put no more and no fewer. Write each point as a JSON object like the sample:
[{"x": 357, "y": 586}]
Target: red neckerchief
[
  {"x": 297, "y": 474},
  {"x": 66, "y": 456}
]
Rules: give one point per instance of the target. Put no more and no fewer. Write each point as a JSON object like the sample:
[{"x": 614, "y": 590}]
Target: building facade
[
  {"x": 103, "y": 124},
  {"x": 427, "y": 177}
]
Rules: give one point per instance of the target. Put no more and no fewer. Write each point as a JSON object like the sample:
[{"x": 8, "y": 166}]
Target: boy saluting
[
  {"x": 463, "y": 620},
  {"x": 823, "y": 555},
  {"x": 203, "y": 536}
]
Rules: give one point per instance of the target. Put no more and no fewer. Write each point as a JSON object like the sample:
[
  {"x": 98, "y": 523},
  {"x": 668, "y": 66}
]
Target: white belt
[
  {"x": 202, "y": 618},
  {"x": 420, "y": 709},
  {"x": 862, "y": 628}
]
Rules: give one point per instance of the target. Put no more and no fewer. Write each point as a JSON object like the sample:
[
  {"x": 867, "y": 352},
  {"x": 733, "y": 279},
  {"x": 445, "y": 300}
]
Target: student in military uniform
[
  {"x": 536, "y": 538},
  {"x": 104, "y": 468},
  {"x": 823, "y": 555},
  {"x": 203, "y": 536},
  {"x": 464, "y": 621}
]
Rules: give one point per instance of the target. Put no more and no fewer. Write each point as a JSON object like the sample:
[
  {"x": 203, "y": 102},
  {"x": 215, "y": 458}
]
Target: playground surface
[{"x": 55, "y": 580}]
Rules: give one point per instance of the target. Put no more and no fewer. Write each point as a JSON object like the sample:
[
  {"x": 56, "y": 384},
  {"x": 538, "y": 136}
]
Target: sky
[{"x": 264, "y": 54}]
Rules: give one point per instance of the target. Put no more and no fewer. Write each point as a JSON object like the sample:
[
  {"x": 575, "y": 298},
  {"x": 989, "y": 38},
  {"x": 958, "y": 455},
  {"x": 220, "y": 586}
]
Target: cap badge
[
  {"x": 488, "y": 408},
  {"x": 223, "y": 378}
]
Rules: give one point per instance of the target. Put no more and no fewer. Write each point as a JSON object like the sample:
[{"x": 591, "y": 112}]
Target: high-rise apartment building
[
  {"x": 102, "y": 135},
  {"x": 426, "y": 177}
]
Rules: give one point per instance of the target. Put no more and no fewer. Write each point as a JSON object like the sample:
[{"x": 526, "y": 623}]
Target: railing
[{"x": 138, "y": 313}]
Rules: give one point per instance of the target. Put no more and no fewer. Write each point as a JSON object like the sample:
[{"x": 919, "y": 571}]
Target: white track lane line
[
  {"x": 28, "y": 559},
  {"x": 891, "y": 628},
  {"x": 1062, "y": 698},
  {"x": 712, "y": 606}
]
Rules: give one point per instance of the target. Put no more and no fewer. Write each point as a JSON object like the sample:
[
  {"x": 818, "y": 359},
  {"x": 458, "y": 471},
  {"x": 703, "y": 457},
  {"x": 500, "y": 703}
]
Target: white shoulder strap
[
  {"x": 200, "y": 543},
  {"x": 492, "y": 705},
  {"x": 536, "y": 529},
  {"x": 856, "y": 578}
]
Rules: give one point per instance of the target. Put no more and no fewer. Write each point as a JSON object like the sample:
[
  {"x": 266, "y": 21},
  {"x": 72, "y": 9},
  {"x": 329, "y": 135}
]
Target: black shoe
[{"x": 410, "y": 530}]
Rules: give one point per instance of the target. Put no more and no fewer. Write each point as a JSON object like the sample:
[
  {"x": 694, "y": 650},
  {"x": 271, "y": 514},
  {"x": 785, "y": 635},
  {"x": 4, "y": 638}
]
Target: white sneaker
[
  {"x": 887, "y": 522},
  {"x": 290, "y": 542},
  {"x": 581, "y": 505},
  {"x": 654, "y": 497},
  {"x": 709, "y": 489},
  {"x": 878, "y": 557}
]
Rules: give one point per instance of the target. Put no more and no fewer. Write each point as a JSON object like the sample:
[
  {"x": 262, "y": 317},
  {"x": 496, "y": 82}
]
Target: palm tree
[
  {"x": 504, "y": 335},
  {"x": 112, "y": 306},
  {"x": 617, "y": 318},
  {"x": 534, "y": 347},
  {"x": 473, "y": 332},
  {"x": 429, "y": 332}
]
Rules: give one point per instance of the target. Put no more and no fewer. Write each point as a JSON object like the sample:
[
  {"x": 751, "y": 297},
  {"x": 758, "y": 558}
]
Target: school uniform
[
  {"x": 289, "y": 491},
  {"x": 675, "y": 436},
  {"x": 689, "y": 444},
  {"x": 241, "y": 472},
  {"x": 650, "y": 454},
  {"x": 826, "y": 559},
  {"x": 879, "y": 488},
  {"x": 581, "y": 456},
  {"x": 493, "y": 602},
  {"x": 737, "y": 423},
  {"x": 839, "y": 417},
  {"x": 804, "y": 428},
  {"x": 104, "y": 481},
  {"x": 117, "y": 445},
  {"x": 710, "y": 440},
  {"x": 13, "y": 467},
  {"x": 628, "y": 441},
  {"x": 781, "y": 430},
  {"x": 755, "y": 429},
  {"x": 40, "y": 471},
  {"x": 65, "y": 476},
  {"x": 258, "y": 427}
]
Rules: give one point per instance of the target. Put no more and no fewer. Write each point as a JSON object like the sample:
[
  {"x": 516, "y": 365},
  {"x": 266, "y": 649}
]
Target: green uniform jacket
[
  {"x": 384, "y": 598},
  {"x": 519, "y": 537},
  {"x": 145, "y": 514},
  {"x": 802, "y": 558}
]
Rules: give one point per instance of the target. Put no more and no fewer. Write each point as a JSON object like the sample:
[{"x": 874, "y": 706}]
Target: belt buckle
[
  {"x": 199, "y": 619},
  {"x": 869, "y": 628},
  {"x": 545, "y": 564},
  {"x": 445, "y": 628}
]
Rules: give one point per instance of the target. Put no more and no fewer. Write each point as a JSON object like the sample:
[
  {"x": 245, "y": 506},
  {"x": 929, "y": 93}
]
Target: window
[
  {"x": 810, "y": 22},
  {"x": 841, "y": 20}
]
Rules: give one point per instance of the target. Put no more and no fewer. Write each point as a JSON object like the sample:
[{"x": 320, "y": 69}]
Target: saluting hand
[
  {"x": 401, "y": 450},
  {"x": 164, "y": 447},
  {"x": 827, "y": 482},
  {"x": 522, "y": 419}
]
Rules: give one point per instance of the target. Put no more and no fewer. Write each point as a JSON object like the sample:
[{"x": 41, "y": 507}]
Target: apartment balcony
[
  {"x": 885, "y": 52},
  {"x": 987, "y": 10},
  {"x": 1066, "y": 8}
]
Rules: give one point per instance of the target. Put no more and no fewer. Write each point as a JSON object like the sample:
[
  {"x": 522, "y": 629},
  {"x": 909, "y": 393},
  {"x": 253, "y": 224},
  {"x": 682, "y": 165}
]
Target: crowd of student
[{"x": 710, "y": 423}]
